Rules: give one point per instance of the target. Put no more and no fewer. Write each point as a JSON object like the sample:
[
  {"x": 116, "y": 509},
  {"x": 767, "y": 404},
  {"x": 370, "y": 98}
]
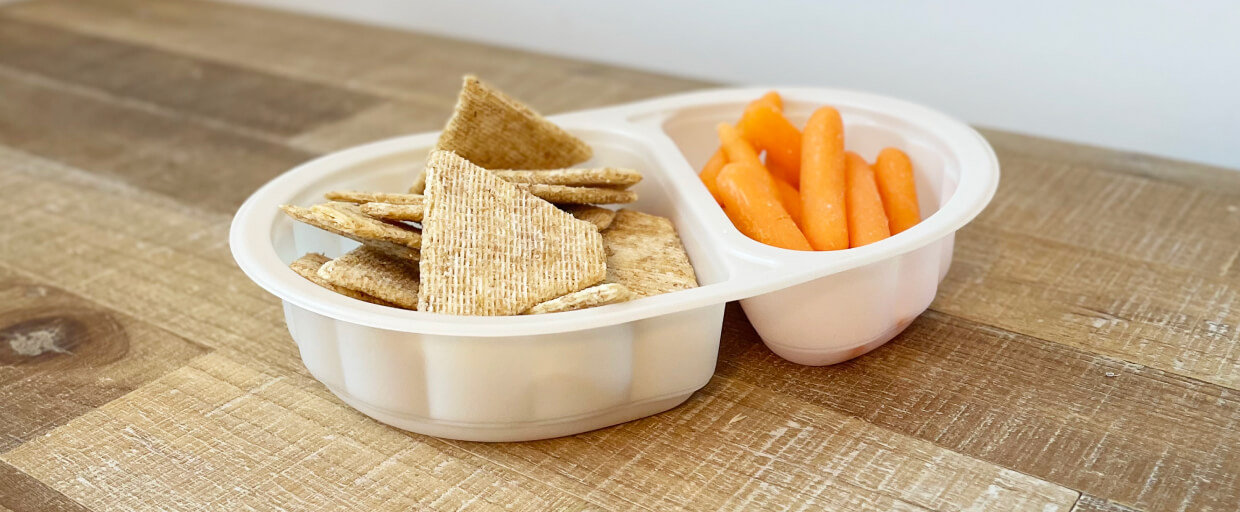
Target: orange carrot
[
  {"x": 823, "y": 214},
  {"x": 894, "y": 174},
  {"x": 790, "y": 198},
  {"x": 736, "y": 148},
  {"x": 768, "y": 130},
  {"x": 753, "y": 204},
  {"x": 711, "y": 172},
  {"x": 771, "y": 99},
  {"x": 866, "y": 221}
]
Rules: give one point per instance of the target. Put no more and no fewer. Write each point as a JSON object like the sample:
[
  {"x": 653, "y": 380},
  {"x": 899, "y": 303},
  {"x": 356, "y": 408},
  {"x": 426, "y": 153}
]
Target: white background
[{"x": 1153, "y": 77}]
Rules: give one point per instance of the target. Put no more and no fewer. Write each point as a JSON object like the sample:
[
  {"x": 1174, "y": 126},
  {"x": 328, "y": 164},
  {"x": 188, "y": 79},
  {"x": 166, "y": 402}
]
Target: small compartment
[
  {"x": 841, "y": 304},
  {"x": 866, "y": 132}
]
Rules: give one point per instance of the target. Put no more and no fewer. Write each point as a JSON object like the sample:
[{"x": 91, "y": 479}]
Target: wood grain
[
  {"x": 1081, "y": 353},
  {"x": 1126, "y": 216},
  {"x": 285, "y": 447},
  {"x": 196, "y": 164},
  {"x": 389, "y": 119},
  {"x": 1021, "y": 147},
  {"x": 1173, "y": 320},
  {"x": 1135, "y": 435},
  {"x": 61, "y": 356},
  {"x": 193, "y": 87},
  {"x": 1089, "y": 503},
  {"x": 137, "y": 253},
  {"x": 391, "y": 63},
  {"x": 20, "y": 492}
]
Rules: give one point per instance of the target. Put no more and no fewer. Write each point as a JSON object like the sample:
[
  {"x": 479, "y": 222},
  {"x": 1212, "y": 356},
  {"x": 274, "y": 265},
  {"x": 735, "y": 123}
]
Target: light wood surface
[{"x": 1081, "y": 355}]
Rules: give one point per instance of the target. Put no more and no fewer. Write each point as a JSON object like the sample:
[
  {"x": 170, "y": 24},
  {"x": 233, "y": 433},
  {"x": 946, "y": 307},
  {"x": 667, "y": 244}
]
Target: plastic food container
[{"x": 533, "y": 377}]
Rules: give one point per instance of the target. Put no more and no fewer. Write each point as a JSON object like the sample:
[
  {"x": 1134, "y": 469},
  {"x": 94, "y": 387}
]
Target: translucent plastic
[{"x": 533, "y": 377}]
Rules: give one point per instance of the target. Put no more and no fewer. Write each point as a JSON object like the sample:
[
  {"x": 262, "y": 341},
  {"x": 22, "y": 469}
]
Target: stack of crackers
[{"x": 498, "y": 223}]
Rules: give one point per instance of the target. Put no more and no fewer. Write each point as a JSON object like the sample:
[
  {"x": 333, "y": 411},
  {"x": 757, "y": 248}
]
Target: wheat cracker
[
  {"x": 308, "y": 267},
  {"x": 375, "y": 273},
  {"x": 645, "y": 254},
  {"x": 490, "y": 248}
]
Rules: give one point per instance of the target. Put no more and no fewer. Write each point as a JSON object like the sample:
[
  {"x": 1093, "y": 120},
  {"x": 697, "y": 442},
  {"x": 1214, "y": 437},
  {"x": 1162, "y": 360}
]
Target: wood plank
[
  {"x": 138, "y": 253},
  {"x": 1174, "y": 320},
  {"x": 62, "y": 356},
  {"x": 218, "y": 92},
  {"x": 21, "y": 493},
  {"x": 266, "y": 441},
  {"x": 217, "y": 435},
  {"x": 1128, "y": 216},
  {"x": 196, "y": 164},
  {"x": 737, "y": 446},
  {"x": 388, "y": 119},
  {"x": 380, "y": 61},
  {"x": 1115, "y": 430},
  {"x": 1089, "y": 503},
  {"x": 1019, "y": 146}
]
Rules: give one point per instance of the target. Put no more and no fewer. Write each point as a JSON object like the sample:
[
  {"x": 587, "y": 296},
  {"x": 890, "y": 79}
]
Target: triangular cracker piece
[
  {"x": 389, "y": 211},
  {"x": 347, "y": 220},
  {"x": 495, "y": 131},
  {"x": 308, "y": 267},
  {"x": 600, "y": 217},
  {"x": 360, "y": 197},
  {"x": 606, "y": 177},
  {"x": 560, "y": 194},
  {"x": 645, "y": 254},
  {"x": 491, "y": 249},
  {"x": 375, "y": 273},
  {"x": 601, "y": 295}
]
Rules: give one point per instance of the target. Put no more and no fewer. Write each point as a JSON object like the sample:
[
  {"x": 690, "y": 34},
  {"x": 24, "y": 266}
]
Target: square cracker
[
  {"x": 347, "y": 220},
  {"x": 601, "y": 295},
  {"x": 492, "y": 249},
  {"x": 375, "y": 273},
  {"x": 495, "y": 131},
  {"x": 645, "y": 254},
  {"x": 308, "y": 267}
]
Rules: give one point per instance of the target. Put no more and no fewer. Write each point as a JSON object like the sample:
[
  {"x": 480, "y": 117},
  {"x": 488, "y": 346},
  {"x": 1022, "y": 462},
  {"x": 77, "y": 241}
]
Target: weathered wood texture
[{"x": 1081, "y": 354}]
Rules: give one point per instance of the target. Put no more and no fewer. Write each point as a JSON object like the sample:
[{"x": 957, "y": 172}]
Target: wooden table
[{"x": 1081, "y": 355}]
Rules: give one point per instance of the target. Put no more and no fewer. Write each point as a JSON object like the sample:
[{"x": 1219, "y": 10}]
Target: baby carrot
[
  {"x": 710, "y": 173},
  {"x": 823, "y": 214},
  {"x": 866, "y": 221},
  {"x": 736, "y": 148},
  {"x": 894, "y": 174},
  {"x": 771, "y": 99},
  {"x": 790, "y": 198},
  {"x": 711, "y": 170},
  {"x": 768, "y": 130},
  {"x": 753, "y": 204}
]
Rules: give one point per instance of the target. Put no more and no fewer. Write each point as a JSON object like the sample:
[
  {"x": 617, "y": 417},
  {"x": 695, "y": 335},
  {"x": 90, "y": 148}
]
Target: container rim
[{"x": 251, "y": 244}]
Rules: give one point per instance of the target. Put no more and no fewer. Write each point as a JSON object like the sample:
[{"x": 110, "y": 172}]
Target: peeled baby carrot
[
  {"x": 823, "y": 216},
  {"x": 790, "y": 198},
  {"x": 711, "y": 172},
  {"x": 771, "y": 99},
  {"x": 753, "y": 205},
  {"x": 894, "y": 174},
  {"x": 768, "y": 130},
  {"x": 736, "y": 148},
  {"x": 867, "y": 223}
]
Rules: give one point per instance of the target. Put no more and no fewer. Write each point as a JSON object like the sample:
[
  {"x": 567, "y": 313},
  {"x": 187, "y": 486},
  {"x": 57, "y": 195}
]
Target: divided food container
[{"x": 539, "y": 376}]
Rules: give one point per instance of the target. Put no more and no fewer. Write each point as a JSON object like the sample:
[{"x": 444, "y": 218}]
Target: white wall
[{"x": 1154, "y": 77}]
